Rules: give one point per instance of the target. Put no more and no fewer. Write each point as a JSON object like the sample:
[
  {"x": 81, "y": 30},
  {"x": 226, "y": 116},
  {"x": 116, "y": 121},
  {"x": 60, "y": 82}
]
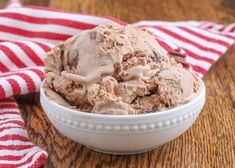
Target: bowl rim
[{"x": 199, "y": 95}]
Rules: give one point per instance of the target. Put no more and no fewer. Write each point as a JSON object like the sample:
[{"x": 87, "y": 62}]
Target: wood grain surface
[{"x": 210, "y": 142}]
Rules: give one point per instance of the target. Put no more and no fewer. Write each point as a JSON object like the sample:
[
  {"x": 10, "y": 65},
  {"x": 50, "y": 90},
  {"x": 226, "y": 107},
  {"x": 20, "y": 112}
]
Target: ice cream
[{"x": 114, "y": 69}]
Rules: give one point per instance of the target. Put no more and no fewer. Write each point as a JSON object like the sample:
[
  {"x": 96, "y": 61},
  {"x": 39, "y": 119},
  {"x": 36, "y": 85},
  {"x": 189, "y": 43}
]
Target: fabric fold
[{"x": 27, "y": 33}]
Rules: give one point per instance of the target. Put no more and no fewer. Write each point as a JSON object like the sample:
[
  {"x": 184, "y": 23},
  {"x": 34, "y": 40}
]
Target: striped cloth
[{"x": 27, "y": 33}]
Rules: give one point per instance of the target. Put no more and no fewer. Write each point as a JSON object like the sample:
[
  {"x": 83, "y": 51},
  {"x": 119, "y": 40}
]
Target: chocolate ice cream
[{"x": 114, "y": 69}]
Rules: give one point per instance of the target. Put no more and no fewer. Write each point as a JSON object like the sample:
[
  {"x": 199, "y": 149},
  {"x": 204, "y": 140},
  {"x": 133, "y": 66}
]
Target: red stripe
[
  {"x": 3, "y": 68},
  {"x": 44, "y": 20},
  {"x": 2, "y": 41},
  {"x": 29, "y": 82},
  {"x": 8, "y": 106},
  {"x": 14, "y": 137},
  {"x": 177, "y": 36},
  {"x": 186, "y": 65},
  {"x": 15, "y": 147},
  {"x": 43, "y": 46},
  {"x": 198, "y": 57},
  {"x": 198, "y": 69},
  {"x": 205, "y": 37},
  {"x": 20, "y": 123},
  {"x": 222, "y": 28},
  {"x": 12, "y": 56},
  {"x": 229, "y": 36},
  {"x": 233, "y": 29},
  {"x": 15, "y": 86},
  {"x": 10, "y": 112},
  {"x": 40, "y": 74},
  {"x": 2, "y": 92},
  {"x": 30, "y": 53},
  {"x": 12, "y": 158},
  {"x": 8, "y": 100},
  {"x": 31, "y": 34},
  {"x": 164, "y": 45}
]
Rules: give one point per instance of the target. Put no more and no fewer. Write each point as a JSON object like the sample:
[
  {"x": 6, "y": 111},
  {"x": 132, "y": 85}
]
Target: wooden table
[{"x": 210, "y": 142}]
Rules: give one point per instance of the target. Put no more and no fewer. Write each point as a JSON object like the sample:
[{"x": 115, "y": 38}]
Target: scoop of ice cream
[
  {"x": 176, "y": 85},
  {"x": 114, "y": 69},
  {"x": 109, "y": 49}
]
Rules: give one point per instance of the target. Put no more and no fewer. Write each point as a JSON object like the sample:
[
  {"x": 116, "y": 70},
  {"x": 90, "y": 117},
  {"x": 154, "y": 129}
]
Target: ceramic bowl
[{"x": 123, "y": 134}]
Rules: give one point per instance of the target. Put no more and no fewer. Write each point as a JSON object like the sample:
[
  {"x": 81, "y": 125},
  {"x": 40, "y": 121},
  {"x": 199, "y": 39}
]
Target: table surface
[{"x": 210, "y": 142}]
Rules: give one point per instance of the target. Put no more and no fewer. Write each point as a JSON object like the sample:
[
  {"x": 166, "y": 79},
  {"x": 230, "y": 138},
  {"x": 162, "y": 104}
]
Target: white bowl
[{"x": 123, "y": 134}]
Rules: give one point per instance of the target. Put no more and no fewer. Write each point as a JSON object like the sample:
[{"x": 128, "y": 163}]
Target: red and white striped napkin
[{"x": 27, "y": 33}]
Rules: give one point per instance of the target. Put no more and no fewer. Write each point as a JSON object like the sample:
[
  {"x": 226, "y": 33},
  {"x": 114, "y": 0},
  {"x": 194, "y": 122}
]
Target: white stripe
[
  {"x": 48, "y": 44},
  {"x": 51, "y": 28},
  {"x": 14, "y": 119},
  {"x": 25, "y": 158},
  {"x": 22, "y": 70},
  {"x": 9, "y": 36},
  {"x": 20, "y": 81},
  {"x": 202, "y": 42},
  {"x": 20, "y": 53},
  {"x": 17, "y": 152},
  {"x": 229, "y": 27},
  {"x": 185, "y": 45},
  {"x": 41, "y": 68},
  {"x": 36, "y": 48},
  {"x": 10, "y": 125},
  {"x": 33, "y": 160},
  {"x": 212, "y": 35},
  {"x": 6, "y": 87},
  {"x": 13, "y": 131},
  {"x": 6, "y": 61},
  {"x": 15, "y": 142},
  {"x": 9, "y": 110},
  {"x": 217, "y": 27},
  {"x": 35, "y": 78},
  {"x": 6, "y": 116},
  {"x": 200, "y": 63},
  {"x": 59, "y": 15}
]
